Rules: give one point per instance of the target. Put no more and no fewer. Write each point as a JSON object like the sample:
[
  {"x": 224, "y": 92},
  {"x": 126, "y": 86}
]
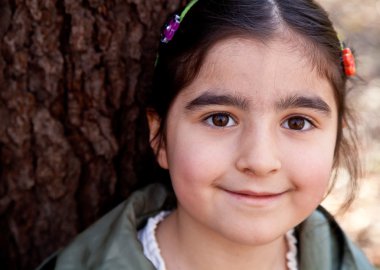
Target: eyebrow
[
  {"x": 296, "y": 101},
  {"x": 208, "y": 98}
]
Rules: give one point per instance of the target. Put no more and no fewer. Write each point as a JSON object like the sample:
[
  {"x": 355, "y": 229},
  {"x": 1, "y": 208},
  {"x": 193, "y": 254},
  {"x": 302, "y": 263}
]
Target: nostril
[{"x": 258, "y": 166}]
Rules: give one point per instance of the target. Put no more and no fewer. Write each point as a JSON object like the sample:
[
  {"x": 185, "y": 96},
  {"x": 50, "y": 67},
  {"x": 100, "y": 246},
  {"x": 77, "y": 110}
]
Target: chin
[{"x": 254, "y": 237}]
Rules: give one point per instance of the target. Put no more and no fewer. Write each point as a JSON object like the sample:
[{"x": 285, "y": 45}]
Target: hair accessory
[
  {"x": 172, "y": 26},
  {"x": 348, "y": 61}
]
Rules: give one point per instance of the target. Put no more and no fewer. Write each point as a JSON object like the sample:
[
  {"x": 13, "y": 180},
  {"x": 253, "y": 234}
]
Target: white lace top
[{"x": 147, "y": 237}]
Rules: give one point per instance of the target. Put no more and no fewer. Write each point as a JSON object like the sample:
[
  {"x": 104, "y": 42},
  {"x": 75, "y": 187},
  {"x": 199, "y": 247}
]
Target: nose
[{"x": 258, "y": 153}]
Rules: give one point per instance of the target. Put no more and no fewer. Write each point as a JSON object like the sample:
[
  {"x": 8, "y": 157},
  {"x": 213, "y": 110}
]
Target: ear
[{"x": 156, "y": 143}]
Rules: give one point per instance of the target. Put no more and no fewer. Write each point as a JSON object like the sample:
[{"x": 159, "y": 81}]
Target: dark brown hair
[{"x": 210, "y": 21}]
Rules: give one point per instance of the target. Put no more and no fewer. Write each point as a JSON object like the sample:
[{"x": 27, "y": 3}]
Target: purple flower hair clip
[
  {"x": 170, "y": 29},
  {"x": 172, "y": 26}
]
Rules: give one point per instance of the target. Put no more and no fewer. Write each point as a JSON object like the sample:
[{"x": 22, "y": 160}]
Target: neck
[{"x": 197, "y": 247}]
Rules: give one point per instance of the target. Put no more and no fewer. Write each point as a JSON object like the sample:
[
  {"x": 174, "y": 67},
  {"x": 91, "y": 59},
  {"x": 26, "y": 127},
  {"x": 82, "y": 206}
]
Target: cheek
[
  {"x": 188, "y": 173},
  {"x": 194, "y": 163},
  {"x": 311, "y": 173},
  {"x": 191, "y": 160}
]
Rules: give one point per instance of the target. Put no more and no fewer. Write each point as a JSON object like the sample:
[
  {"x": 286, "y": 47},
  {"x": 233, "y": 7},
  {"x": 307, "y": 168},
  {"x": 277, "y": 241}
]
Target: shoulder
[
  {"x": 324, "y": 245},
  {"x": 111, "y": 242}
]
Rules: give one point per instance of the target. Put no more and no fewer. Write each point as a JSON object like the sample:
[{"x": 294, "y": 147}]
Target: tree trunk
[{"x": 70, "y": 76}]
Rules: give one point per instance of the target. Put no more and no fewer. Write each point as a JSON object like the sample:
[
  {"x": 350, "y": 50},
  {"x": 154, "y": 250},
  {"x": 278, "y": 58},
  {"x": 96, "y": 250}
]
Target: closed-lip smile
[
  {"x": 255, "y": 194},
  {"x": 256, "y": 198}
]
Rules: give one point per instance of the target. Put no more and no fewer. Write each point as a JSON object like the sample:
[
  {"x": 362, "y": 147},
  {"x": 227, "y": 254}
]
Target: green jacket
[{"x": 111, "y": 243}]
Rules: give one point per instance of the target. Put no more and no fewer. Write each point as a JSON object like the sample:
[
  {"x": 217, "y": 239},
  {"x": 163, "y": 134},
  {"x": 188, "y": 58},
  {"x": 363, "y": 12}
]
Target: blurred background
[{"x": 358, "y": 24}]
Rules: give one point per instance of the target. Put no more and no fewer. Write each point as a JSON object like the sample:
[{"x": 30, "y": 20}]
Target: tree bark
[{"x": 71, "y": 74}]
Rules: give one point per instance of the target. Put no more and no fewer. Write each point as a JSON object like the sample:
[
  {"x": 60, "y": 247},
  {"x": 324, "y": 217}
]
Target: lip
[{"x": 255, "y": 198}]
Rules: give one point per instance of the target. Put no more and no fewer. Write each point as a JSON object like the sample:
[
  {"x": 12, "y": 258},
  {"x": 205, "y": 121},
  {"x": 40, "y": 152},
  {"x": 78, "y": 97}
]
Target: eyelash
[
  {"x": 285, "y": 124},
  {"x": 299, "y": 117},
  {"x": 208, "y": 120}
]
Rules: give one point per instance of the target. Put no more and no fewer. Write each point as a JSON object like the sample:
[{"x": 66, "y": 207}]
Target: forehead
[
  {"x": 266, "y": 69},
  {"x": 250, "y": 56}
]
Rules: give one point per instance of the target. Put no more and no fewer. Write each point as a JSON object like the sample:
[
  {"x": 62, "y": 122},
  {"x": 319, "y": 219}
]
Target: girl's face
[{"x": 250, "y": 142}]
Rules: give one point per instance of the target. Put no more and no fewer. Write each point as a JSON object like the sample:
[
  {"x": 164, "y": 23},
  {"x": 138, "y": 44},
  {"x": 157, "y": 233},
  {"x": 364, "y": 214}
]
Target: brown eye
[
  {"x": 220, "y": 120},
  {"x": 297, "y": 123}
]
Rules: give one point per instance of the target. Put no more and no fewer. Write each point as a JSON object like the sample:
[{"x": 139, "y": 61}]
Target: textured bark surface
[{"x": 70, "y": 74}]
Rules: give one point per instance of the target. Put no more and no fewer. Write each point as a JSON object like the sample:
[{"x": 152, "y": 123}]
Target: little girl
[{"x": 246, "y": 113}]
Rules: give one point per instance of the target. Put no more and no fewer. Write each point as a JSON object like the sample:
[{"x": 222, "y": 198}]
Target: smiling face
[{"x": 250, "y": 142}]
